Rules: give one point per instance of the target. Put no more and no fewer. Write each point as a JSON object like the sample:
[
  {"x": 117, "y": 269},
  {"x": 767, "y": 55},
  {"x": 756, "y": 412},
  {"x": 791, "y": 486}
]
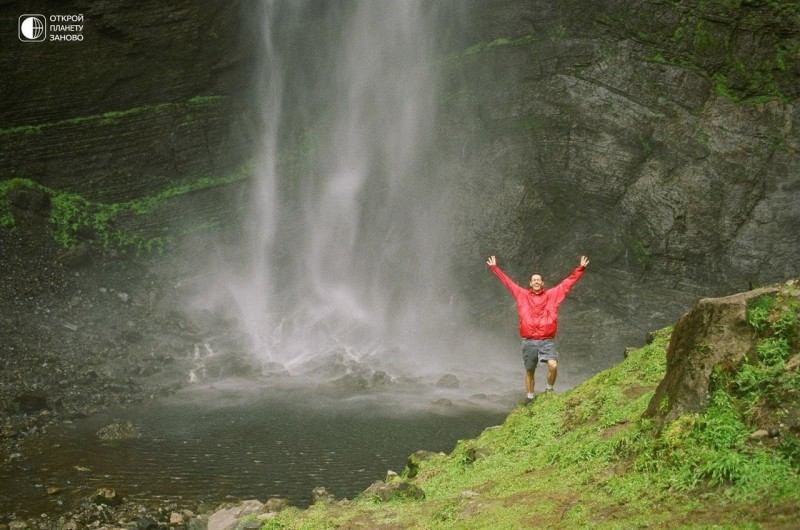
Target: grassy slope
[{"x": 586, "y": 458}]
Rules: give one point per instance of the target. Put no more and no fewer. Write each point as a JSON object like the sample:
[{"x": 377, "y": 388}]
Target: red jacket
[{"x": 538, "y": 312}]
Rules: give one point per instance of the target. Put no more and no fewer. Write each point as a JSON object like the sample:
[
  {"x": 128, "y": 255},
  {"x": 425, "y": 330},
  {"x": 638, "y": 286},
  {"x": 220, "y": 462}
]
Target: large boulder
[{"x": 714, "y": 332}]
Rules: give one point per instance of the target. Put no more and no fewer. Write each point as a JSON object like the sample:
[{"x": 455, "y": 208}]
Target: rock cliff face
[
  {"x": 659, "y": 138},
  {"x": 147, "y": 104},
  {"x": 148, "y": 98},
  {"x": 632, "y": 148}
]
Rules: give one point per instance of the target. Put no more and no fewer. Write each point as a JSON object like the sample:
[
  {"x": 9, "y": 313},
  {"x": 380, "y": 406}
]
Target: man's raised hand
[
  {"x": 492, "y": 261},
  {"x": 584, "y": 261}
]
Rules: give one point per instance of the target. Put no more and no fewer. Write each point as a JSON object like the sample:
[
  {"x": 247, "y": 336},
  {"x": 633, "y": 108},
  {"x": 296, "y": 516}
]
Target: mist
[{"x": 345, "y": 255}]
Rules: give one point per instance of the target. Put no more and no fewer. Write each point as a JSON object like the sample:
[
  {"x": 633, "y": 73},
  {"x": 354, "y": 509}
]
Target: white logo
[{"x": 32, "y": 28}]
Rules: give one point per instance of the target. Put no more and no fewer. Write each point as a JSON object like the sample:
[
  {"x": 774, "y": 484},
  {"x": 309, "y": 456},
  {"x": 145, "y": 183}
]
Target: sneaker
[
  {"x": 528, "y": 400},
  {"x": 549, "y": 390}
]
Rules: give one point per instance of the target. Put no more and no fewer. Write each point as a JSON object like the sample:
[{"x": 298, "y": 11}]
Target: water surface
[{"x": 218, "y": 445}]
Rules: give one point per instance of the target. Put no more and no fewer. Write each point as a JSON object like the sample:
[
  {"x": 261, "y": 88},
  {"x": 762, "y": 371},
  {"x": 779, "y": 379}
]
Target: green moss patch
[
  {"x": 72, "y": 215},
  {"x": 111, "y": 116}
]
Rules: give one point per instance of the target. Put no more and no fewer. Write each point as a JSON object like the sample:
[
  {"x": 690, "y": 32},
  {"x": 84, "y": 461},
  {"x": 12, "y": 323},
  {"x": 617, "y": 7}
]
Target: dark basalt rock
[{"x": 31, "y": 402}]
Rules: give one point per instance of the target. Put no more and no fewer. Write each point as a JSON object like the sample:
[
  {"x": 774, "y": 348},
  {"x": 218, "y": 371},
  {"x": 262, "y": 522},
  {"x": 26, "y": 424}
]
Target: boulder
[
  {"x": 448, "y": 381},
  {"x": 474, "y": 453},
  {"x": 107, "y": 496},
  {"x": 197, "y": 523},
  {"x": 397, "y": 489},
  {"x": 442, "y": 402},
  {"x": 321, "y": 495},
  {"x": 119, "y": 430},
  {"x": 276, "y": 504},
  {"x": 381, "y": 378},
  {"x": 714, "y": 332},
  {"x": 146, "y": 523},
  {"x": 226, "y": 518},
  {"x": 30, "y": 402}
]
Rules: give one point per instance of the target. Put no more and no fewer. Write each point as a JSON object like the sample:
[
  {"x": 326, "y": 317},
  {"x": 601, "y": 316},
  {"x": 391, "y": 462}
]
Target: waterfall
[{"x": 346, "y": 248}]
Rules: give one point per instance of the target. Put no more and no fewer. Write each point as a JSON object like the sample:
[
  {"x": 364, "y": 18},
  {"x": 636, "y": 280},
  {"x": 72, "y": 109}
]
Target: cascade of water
[
  {"x": 358, "y": 209},
  {"x": 252, "y": 286},
  {"x": 347, "y": 239}
]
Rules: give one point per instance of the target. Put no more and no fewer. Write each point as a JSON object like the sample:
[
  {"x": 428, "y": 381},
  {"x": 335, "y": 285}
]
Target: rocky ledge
[{"x": 81, "y": 332}]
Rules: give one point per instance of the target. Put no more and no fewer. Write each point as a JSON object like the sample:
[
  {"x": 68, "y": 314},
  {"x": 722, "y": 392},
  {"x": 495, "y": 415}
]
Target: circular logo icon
[{"x": 31, "y": 27}]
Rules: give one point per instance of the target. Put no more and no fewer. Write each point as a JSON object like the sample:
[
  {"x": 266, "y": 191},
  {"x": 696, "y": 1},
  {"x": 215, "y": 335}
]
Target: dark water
[{"x": 215, "y": 446}]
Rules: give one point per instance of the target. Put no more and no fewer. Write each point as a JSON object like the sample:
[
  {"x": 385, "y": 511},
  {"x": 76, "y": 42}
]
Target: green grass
[{"x": 588, "y": 459}]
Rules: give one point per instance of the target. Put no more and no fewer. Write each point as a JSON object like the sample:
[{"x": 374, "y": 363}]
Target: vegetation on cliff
[
  {"x": 588, "y": 458},
  {"x": 110, "y": 116},
  {"x": 73, "y": 218},
  {"x": 705, "y": 37}
]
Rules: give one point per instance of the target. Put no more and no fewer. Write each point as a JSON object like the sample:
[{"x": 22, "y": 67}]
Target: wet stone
[
  {"x": 146, "y": 523},
  {"x": 226, "y": 519},
  {"x": 196, "y": 523},
  {"x": 118, "y": 431},
  {"x": 276, "y": 504},
  {"x": 448, "y": 381},
  {"x": 395, "y": 490},
  {"x": 320, "y": 494},
  {"x": 31, "y": 402},
  {"x": 107, "y": 496}
]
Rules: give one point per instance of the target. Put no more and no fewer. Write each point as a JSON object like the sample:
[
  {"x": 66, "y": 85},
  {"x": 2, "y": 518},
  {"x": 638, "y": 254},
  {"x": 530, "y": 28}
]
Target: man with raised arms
[{"x": 537, "y": 309}]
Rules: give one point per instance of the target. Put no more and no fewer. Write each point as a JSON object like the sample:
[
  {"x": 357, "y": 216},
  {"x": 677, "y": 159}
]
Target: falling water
[{"x": 347, "y": 243}]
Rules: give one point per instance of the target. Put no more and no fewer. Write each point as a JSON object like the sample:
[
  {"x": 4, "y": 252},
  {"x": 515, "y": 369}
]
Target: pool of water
[{"x": 218, "y": 445}]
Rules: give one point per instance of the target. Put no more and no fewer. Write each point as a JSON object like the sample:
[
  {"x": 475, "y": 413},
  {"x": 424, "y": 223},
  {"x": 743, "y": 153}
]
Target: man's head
[{"x": 537, "y": 283}]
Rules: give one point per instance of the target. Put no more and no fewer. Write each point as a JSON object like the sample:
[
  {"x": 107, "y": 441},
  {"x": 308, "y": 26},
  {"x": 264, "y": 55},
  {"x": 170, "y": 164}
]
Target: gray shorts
[{"x": 538, "y": 351}]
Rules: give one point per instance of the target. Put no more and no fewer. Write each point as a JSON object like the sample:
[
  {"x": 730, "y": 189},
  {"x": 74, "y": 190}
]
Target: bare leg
[
  {"x": 529, "y": 381},
  {"x": 552, "y": 373}
]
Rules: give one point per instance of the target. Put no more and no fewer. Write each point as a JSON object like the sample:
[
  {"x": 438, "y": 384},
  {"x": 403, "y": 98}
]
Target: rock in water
[
  {"x": 107, "y": 496},
  {"x": 448, "y": 381},
  {"x": 320, "y": 494},
  {"x": 276, "y": 504},
  {"x": 118, "y": 431}
]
